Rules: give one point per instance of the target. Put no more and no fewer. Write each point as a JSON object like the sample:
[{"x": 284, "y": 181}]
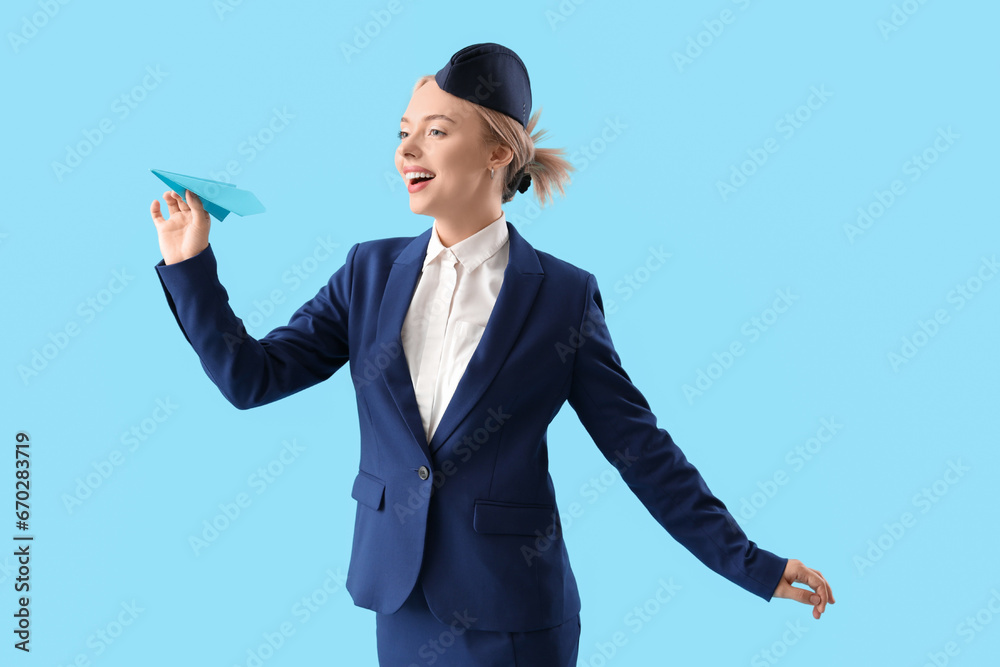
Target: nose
[{"x": 407, "y": 147}]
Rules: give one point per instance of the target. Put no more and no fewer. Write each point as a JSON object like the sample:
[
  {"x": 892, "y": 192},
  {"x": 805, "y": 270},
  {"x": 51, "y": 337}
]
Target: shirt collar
[{"x": 474, "y": 250}]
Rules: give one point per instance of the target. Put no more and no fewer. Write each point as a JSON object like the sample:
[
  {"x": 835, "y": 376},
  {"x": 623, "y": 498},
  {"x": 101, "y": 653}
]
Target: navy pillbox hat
[{"x": 490, "y": 75}]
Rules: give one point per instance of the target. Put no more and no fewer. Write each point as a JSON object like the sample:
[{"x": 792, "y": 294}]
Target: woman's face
[{"x": 440, "y": 135}]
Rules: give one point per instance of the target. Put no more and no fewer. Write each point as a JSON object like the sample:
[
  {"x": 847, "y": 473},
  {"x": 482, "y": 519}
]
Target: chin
[{"x": 419, "y": 205}]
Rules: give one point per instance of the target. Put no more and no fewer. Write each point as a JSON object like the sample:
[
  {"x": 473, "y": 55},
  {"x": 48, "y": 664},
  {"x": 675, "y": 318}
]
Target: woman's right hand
[{"x": 185, "y": 233}]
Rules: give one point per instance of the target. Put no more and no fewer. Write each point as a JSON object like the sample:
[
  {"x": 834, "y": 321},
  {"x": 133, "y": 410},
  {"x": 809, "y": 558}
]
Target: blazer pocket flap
[
  {"x": 368, "y": 490},
  {"x": 512, "y": 518}
]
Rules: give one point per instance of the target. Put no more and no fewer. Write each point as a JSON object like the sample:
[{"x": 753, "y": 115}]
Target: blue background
[{"x": 324, "y": 119}]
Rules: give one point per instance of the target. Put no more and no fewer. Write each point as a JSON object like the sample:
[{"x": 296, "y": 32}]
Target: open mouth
[{"x": 418, "y": 180}]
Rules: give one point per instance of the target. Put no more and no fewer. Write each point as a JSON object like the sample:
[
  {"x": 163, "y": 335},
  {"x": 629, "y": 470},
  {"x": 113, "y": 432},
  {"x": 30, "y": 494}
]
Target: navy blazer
[{"x": 475, "y": 507}]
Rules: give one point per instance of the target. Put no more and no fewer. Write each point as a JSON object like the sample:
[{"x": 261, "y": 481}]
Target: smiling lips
[
  {"x": 417, "y": 186},
  {"x": 417, "y": 178}
]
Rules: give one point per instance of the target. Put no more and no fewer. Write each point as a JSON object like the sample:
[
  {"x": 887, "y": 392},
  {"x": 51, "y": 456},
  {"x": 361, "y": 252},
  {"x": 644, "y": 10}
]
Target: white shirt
[{"x": 455, "y": 294}]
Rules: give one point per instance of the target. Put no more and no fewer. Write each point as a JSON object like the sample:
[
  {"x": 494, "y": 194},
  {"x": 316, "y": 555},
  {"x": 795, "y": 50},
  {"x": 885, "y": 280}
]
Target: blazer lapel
[
  {"x": 522, "y": 278},
  {"x": 396, "y": 299}
]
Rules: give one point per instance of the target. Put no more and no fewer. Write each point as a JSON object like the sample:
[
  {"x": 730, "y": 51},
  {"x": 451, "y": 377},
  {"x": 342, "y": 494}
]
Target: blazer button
[{"x": 423, "y": 472}]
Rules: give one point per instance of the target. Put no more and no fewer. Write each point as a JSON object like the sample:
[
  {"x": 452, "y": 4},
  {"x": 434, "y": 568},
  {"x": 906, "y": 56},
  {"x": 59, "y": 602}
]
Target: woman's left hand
[{"x": 796, "y": 572}]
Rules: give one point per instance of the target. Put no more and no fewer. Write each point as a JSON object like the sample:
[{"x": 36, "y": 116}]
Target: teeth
[{"x": 418, "y": 174}]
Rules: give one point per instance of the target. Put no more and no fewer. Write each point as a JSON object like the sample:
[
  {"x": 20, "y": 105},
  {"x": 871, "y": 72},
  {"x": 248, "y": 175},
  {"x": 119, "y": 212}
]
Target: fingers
[
  {"x": 800, "y": 595},
  {"x": 195, "y": 201},
  {"x": 818, "y": 584},
  {"x": 201, "y": 217},
  {"x": 822, "y": 595},
  {"x": 818, "y": 597},
  {"x": 181, "y": 203},
  {"x": 171, "y": 198},
  {"x": 833, "y": 600},
  {"x": 154, "y": 210}
]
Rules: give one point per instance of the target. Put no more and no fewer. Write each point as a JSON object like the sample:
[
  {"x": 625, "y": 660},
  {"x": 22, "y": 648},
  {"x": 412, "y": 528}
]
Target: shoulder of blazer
[
  {"x": 379, "y": 255},
  {"x": 382, "y": 250},
  {"x": 563, "y": 271}
]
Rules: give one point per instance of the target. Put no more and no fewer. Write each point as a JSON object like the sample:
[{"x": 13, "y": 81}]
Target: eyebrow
[{"x": 433, "y": 116}]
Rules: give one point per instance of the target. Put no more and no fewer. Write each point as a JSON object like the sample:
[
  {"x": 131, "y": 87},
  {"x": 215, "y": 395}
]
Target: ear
[{"x": 501, "y": 156}]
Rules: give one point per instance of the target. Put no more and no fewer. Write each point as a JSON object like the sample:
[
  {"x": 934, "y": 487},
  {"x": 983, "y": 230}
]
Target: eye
[{"x": 401, "y": 133}]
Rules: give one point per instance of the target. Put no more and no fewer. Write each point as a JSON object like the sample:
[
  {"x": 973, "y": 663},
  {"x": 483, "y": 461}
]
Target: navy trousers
[{"x": 414, "y": 637}]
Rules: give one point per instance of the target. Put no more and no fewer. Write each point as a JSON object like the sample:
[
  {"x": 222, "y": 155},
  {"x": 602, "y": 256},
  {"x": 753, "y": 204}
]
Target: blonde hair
[{"x": 548, "y": 170}]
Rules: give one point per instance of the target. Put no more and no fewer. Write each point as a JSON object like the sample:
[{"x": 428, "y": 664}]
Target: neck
[{"x": 452, "y": 230}]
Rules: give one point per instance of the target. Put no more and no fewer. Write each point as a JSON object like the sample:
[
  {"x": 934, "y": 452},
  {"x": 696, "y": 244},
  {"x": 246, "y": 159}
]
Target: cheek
[{"x": 461, "y": 166}]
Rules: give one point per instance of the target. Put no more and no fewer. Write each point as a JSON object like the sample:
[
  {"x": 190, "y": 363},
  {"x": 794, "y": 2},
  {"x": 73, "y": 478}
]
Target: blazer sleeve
[
  {"x": 250, "y": 372},
  {"x": 618, "y": 418}
]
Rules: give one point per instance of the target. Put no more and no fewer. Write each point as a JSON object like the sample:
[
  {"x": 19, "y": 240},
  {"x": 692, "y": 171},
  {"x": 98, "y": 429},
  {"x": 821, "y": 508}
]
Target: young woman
[{"x": 463, "y": 343}]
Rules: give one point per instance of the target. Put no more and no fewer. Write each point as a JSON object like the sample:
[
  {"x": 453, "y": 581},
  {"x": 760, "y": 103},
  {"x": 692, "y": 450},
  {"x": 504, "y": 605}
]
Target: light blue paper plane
[{"x": 218, "y": 198}]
